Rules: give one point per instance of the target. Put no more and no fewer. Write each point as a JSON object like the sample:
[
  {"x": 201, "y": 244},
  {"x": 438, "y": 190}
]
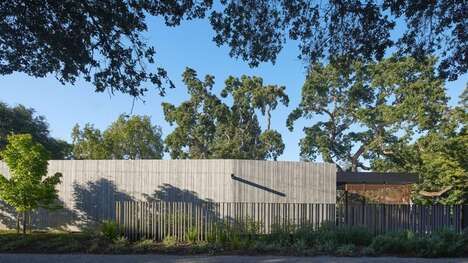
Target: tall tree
[
  {"x": 101, "y": 41},
  {"x": 134, "y": 137},
  {"x": 438, "y": 157},
  {"x": 207, "y": 127},
  {"x": 197, "y": 119},
  {"x": 368, "y": 108},
  {"x": 26, "y": 189},
  {"x": 129, "y": 137},
  {"x": 88, "y": 143},
  {"x": 19, "y": 120}
]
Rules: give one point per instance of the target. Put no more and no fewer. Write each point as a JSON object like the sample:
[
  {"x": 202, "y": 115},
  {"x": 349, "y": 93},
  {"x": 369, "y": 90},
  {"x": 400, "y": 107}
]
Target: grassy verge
[{"x": 300, "y": 242}]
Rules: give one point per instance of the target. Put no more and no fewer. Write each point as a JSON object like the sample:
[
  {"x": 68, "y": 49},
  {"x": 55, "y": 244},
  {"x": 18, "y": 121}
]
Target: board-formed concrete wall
[{"x": 90, "y": 188}]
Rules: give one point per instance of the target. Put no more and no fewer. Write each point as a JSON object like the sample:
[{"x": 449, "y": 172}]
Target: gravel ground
[{"x": 84, "y": 258}]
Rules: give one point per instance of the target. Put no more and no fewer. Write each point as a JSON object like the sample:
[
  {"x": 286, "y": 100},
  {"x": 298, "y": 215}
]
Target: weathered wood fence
[
  {"x": 381, "y": 218},
  {"x": 156, "y": 220}
]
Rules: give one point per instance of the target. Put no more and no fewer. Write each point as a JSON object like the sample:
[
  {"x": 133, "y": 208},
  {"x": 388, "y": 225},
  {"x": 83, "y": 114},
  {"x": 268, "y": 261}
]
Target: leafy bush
[
  {"x": 192, "y": 234},
  {"x": 389, "y": 243},
  {"x": 170, "y": 241},
  {"x": 342, "y": 235},
  {"x": 110, "y": 229},
  {"x": 368, "y": 251},
  {"x": 445, "y": 243},
  {"x": 120, "y": 245},
  {"x": 347, "y": 250},
  {"x": 282, "y": 235},
  {"x": 143, "y": 245}
]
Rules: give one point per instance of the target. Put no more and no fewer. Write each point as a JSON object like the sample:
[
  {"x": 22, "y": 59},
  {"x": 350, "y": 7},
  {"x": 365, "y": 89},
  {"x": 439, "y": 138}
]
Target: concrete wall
[{"x": 89, "y": 188}]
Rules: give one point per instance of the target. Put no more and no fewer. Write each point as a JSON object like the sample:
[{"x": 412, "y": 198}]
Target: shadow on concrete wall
[
  {"x": 7, "y": 215},
  {"x": 170, "y": 193},
  {"x": 41, "y": 219},
  {"x": 95, "y": 201},
  {"x": 201, "y": 207}
]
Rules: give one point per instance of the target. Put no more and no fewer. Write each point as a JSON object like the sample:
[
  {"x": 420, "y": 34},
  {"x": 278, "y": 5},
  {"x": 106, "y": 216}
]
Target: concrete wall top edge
[{"x": 194, "y": 160}]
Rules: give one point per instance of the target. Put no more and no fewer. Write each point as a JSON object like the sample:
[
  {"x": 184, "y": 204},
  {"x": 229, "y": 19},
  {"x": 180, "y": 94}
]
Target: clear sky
[{"x": 188, "y": 45}]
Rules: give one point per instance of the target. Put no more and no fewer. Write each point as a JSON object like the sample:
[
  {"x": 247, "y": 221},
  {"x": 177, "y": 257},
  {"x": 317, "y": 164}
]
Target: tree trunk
[
  {"x": 17, "y": 222},
  {"x": 24, "y": 223},
  {"x": 354, "y": 167},
  {"x": 29, "y": 222},
  {"x": 268, "y": 119}
]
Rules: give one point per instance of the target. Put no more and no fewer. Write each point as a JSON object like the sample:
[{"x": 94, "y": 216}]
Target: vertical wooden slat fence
[
  {"x": 157, "y": 220},
  {"x": 382, "y": 218}
]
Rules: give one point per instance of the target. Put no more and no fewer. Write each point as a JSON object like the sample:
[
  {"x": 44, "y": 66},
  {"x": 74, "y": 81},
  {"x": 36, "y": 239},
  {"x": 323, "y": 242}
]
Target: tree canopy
[
  {"x": 22, "y": 120},
  {"x": 101, "y": 41},
  {"x": 438, "y": 157},
  {"x": 134, "y": 137},
  {"x": 364, "y": 110},
  {"x": 26, "y": 188},
  {"x": 129, "y": 137},
  {"x": 88, "y": 143},
  {"x": 327, "y": 30},
  {"x": 207, "y": 127}
]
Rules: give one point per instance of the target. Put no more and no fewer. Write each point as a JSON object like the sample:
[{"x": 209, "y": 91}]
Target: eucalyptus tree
[
  {"x": 364, "y": 109},
  {"x": 197, "y": 119},
  {"x": 209, "y": 127}
]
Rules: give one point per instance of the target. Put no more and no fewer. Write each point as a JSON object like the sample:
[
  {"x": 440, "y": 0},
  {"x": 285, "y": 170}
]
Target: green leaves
[
  {"x": 343, "y": 31},
  {"x": 88, "y": 143},
  {"x": 207, "y": 127},
  {"x": 438, "y": 157},
  {"x": 26, "y": 189},
  {"x": 21, "y": 120},
  {"x": 364, "y": 108},
  {"x": 132, "y": 137},
  {"x": 101, "y": 41}
]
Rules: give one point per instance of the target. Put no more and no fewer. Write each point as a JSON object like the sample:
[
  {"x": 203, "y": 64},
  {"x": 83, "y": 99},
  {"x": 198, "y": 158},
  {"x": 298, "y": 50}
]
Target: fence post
[
  {"x": 464, "y": 217},
  {"x": 346, "y": 204}
]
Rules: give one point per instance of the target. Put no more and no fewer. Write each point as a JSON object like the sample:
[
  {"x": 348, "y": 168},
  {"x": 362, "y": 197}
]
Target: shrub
[
  {"x": 300, "y": 246},
  {"x": 443, "y": 243},
  {"x": 347, "y": 250},
  {"x": 282, "y": 235},
  {"x": 143, "y": 245},
  {"x": 342, "y": 235},
  {"x": 170, "y": 241},
  {"x": 110, "y": 229},
  {"x": 120, "y": 245},
  {"x": 389, "y": 243},
  {"x": 368, "y": 251},
  {"x": 192, "y": 234}
]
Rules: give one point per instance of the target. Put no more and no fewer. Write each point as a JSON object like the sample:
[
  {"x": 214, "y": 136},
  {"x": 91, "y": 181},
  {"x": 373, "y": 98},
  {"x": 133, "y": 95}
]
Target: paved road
[{"x": 81, "y": 258}]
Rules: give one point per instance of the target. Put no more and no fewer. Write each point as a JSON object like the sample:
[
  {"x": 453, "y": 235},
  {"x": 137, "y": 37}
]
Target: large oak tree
[
  {"x": 20, "y": 120},
  {"x": 101, "y": 40},
  {"x": 363, "y": 110}
]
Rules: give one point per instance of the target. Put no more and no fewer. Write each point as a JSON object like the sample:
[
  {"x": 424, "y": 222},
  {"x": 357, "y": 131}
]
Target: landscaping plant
[{"x": 28, "y": 187}]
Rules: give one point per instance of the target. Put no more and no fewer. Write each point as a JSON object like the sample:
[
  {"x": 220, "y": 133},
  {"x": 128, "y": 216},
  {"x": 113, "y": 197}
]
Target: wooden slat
[{"x": 156, "y": 220}]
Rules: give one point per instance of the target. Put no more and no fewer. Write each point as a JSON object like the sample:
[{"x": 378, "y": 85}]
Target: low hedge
[{"x": 327, "y": 240}]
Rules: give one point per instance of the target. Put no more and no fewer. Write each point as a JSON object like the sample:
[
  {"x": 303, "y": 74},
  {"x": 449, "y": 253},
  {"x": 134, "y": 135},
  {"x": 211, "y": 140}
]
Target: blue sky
[{"x": 188, "y": 45}]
